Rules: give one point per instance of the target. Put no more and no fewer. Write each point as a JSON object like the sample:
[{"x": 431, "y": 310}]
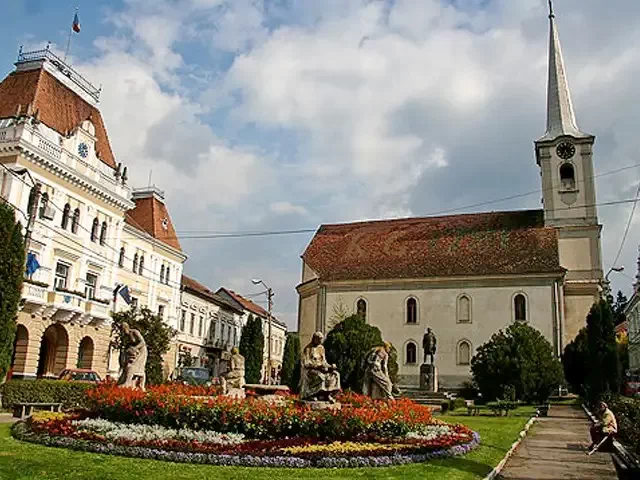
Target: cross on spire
[{"x": 551, "y": 15}]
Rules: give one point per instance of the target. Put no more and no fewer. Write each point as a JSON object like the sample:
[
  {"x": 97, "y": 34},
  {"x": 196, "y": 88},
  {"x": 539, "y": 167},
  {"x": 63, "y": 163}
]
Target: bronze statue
[
  {"x": 319, "y": 381},
  {"x": 377, "y": 383},
  {"x": 429, "y": 345}
]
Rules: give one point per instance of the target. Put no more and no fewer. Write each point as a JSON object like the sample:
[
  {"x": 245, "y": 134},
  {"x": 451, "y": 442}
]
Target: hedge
[
  {"x": 70, "y": 394},
  {"x": 627, "y": 412}
]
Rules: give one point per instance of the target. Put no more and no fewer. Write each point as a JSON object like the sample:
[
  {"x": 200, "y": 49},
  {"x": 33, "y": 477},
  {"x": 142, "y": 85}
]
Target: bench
[
  {"x": 22, "y": 410},
  {"x": 542, "y": 410},
  {"x": 472, "y": 408},
  {"x": 626, "y": 463}
]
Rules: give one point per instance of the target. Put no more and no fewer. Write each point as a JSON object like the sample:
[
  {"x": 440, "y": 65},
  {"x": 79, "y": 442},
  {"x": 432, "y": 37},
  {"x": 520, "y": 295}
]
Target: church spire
[{"x": 561, "y": 119}]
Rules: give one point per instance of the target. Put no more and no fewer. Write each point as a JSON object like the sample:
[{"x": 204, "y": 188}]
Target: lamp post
[
  {"x": 269, "y": 292},
  {"x": 31, "y": 214},
  {"x": 607, "y": 286}
]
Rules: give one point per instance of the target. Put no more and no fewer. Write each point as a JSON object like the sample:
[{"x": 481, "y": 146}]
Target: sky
[{"x": 270, "y": 115}]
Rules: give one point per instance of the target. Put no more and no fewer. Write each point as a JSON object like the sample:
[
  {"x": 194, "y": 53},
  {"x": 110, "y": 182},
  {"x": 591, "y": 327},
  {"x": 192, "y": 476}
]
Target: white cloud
[{"x": 287, "y": 208}]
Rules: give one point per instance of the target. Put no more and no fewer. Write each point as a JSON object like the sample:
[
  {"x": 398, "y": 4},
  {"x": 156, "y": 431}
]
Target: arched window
[
  {"x": 135, "y": 263},
  {"x": 520, "y": 307},
  {"x": 464, "y": 353},
  {"x": 75, "y": 221},
  {"x": 121, "y": 257},
  {"x": 65, "y": 216},
  {"x": 162, "y": 274},
  {"x": 411, "y": 354},
  {"x": 567, "y": 176},
  {"x": 94, "y": 230},
  {"x": 464, "y": 309},
  {"x": 361, "y": 308},
  {"x": 412, "y": 310},
  {"x": 103, "y": 233},
  {"x": 166, "y": 275},
  {"x": 44, "y": 203},
  {"x": 141, "y": 270}
]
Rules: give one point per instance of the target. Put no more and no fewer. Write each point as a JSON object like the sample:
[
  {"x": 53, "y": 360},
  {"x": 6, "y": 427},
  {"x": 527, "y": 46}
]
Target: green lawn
[{"x": 23, "y": 461}]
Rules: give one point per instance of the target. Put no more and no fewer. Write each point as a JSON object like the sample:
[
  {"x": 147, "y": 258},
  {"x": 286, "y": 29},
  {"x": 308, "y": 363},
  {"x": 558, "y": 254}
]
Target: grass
[{"x": 24, "y": 461}]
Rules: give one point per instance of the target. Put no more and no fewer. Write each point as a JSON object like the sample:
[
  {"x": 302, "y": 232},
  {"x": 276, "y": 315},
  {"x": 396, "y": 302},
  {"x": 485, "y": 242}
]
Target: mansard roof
[
  {"x": 152, "y": 216},
  {"x": 58, "y": 106},
  {"x": 495, "y": 243}
]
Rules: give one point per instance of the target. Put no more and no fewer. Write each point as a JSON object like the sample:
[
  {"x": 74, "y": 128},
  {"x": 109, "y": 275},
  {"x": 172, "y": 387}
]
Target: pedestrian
[{"x": 603, "y": 430}]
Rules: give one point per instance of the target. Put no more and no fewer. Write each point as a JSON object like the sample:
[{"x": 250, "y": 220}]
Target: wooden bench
[
  {"x": 626, "y": 463},
  {"x": 22, "y": 410}
]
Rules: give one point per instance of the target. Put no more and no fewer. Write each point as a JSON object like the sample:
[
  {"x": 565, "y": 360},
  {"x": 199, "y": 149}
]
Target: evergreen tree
[
  {"x": 574, "y": 362},
  {"x": 12, "y": 268},
  {"x": 290, "y": 373},
  {"x": 618, "y": 308},
  {"x": 157, "y": 335},
  {"x": 603, "y": 367},
  {"x": 252, "y": 349}
]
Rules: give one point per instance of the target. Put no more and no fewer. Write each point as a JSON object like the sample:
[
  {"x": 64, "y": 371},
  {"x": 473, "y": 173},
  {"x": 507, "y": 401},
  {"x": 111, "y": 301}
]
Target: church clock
[{"x": 566, "y": 150}]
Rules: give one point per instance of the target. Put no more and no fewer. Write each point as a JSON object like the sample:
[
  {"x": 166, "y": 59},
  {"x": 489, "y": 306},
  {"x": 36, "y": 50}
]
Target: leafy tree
[
  {"x": 252, "y": 349},
  {"x": 157, "y": 335},
  {"x": 347, "y": 344},
  {"x": 12, "y": 267},
  {"x": 290, "y": 373},
  {"x": 519, "y": 359},
  {"x": 574, "y": 362},
  {"x": 603, "y": 365}
]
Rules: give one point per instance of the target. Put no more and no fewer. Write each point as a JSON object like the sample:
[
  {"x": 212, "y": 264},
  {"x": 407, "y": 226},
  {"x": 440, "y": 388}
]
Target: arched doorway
[
  {"x": 85, "y": 353},
  {"x": 54, "y": 349},
  {"x": 20, "y": 344}
]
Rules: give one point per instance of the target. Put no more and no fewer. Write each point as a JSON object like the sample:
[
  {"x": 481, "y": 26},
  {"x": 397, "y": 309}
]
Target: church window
[
  {"x": 361, "y": 308},
  {"x": 94, "y": 230},
  {"x": 65, "y": 217},
  {"x": 567, "y": 177},
  {"x": 412, "y": 310},
  {"x": 411, "y": 354},
  {"x": 520, "y": 307},
  {"x": 464, "y": 353},
  {"x": 464, "y": 309},
  {"x": 75, "y": 221}
]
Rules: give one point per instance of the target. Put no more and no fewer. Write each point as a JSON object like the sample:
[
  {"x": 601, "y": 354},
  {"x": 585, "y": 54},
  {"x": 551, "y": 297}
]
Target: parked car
[
  {"x": 79, "y": 375},
  {"x": 195, "y": 376}
]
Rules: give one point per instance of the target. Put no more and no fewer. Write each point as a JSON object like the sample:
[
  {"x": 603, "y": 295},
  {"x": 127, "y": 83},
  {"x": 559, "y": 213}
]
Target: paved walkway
[
  {"x": 7, "y": 418},
  {"x": 555, "y": 448}
]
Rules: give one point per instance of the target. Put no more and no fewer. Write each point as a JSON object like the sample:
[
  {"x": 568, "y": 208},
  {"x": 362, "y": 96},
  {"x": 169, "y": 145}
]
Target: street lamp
[
  {"x": 607, "y": 286},
  {"x": 31, "y": 214},
  {"x": 269, "y": 292}
]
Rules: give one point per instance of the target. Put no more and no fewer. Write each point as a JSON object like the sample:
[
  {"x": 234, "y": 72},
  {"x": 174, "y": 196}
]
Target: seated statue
[
  {"x": 234, "y": 378},
  {"x": 319, "y": 381},
  {"x": 377, "y": 383}
]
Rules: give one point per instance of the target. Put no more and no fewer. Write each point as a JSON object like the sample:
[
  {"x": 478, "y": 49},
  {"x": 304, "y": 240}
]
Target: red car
[{"x": 79, "y": 375}]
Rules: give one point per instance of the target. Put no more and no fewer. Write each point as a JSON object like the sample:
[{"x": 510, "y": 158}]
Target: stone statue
[
  {"x": 134, "y": 359},
  {"x": 234, "y": 378},
  {"x": 319, "y": 381},
  {"x": 377, "y": 383},
  {"x": 429, "y": 345}
]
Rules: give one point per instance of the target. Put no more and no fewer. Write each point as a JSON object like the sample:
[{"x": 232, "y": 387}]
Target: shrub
[
  {"x": 627, "y": 412},
  {"x": 459, "y": 402},
  {"x": 70, "y": 394}
]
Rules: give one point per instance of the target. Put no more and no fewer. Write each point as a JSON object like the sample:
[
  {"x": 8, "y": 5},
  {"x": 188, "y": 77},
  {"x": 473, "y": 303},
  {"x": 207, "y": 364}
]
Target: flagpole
[{"x": 66, "y": 53}]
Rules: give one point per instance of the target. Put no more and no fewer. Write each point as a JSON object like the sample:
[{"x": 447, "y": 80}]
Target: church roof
[
  {"x": 152, "y": 216},
  {"x": 496, "y": 243},
  {"x": 58, "y": 106}
]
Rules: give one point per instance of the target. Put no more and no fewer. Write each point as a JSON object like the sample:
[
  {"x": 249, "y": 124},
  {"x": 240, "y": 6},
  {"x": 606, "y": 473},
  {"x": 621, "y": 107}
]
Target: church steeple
[{"x": 561, "y": 119}]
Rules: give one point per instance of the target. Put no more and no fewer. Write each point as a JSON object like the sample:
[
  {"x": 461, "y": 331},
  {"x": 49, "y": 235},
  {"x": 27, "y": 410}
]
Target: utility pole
[{"x": 270, "y": 305}]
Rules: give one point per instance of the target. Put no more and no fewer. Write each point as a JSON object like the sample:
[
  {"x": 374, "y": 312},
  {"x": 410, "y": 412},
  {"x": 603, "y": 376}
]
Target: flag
[
  {"x": 32, "y": 264},
  {"x": 123, "y": 291},
  {"x": 76, "y": 23}
]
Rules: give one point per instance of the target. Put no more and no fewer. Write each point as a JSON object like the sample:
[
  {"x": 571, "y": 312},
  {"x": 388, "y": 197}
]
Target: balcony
[
  {"x": 34, "y": 296},
  {"x": 97, "y": 312},
  {"x": 65, "y": 306}
]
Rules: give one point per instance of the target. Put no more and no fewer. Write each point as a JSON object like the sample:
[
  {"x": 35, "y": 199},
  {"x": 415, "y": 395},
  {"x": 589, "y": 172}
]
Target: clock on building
[
  {"x": 83, "y": 150},
  {"x": 566, "y": 150}
]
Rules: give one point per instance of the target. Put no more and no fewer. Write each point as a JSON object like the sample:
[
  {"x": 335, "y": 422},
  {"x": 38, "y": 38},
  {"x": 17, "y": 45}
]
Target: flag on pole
[
  {"x": 123, "y": 291},
  {"x": 76, "y": 23},
  {"x": 32, "y": 264}
]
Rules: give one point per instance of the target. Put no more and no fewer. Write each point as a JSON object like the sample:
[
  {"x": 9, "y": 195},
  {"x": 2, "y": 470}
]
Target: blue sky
[{"x": 283, "y": 114}]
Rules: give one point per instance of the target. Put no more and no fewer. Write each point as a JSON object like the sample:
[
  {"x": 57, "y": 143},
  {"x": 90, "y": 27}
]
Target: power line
[{"x": 626, "y": 230}]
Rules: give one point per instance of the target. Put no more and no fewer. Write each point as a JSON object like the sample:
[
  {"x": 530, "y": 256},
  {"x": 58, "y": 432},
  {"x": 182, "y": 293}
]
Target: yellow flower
[
  {"x": 44, "y": 416},
  {"x": 346, "y": 447}
]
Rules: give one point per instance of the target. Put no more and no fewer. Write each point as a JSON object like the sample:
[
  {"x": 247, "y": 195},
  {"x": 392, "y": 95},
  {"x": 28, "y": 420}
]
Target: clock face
[
  {"x": 83, "y": 150},
  {"x": 566, "y": 150}
]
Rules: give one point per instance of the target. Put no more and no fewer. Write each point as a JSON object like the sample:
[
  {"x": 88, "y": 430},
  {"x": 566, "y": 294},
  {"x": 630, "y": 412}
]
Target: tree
[
  {"x": 347, "y": 344},
  {"x": 185, "y": 359},
  {"x": 574, "y": 362},
  {"x": 290, "y": 373},
  {"x": 12, "y": 267},
  {"x": 603, "y": 367},
  {"x": 157, "y": 335},
  {"x": 252, "y": 349},
  {"x": 518, "y": 359},
  {"x": 618, "y": 308}
]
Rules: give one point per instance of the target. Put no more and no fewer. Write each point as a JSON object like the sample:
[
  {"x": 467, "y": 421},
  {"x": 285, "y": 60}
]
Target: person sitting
[{"x": 603, "y": 431}]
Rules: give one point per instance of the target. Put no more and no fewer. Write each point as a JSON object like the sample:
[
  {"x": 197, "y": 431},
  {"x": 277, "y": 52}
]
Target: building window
[
  {"x": 44, "y": 203},
  {"x": 464, "y": 309},
  {"x": 121, "y": 257},
  {"x": 94, "y": 230},
  {"x": 361, "y": 308},
  {"x": 62, "y": 276},
  {"x": 135, "y": 263},
  {"x": 412, "y": 310},
  {"x": 134, "y": 302},
  {"x": 520, "y": 307},
  {"x": 166, "y": 275},
  {"x": 161, "y": 311},
  {"x": 192, "y": 324},
  {"x": 183, "y": 320},
  {"x": 411, "y": 356},
  {"x": 90, "y": 285},
  {"x": 65, "y": 217},
  {"x": 75, "y": 221},
  {"x": 200, "y": 326},
  {"x": 103, "y": 233},
  {"x": 141, "y": 269},
  {"x": 567, "y": 177},
  {"x": 464, "y": 353},
  {"x": 235, "y": 337},
  {"x": 162, "y": 274}
]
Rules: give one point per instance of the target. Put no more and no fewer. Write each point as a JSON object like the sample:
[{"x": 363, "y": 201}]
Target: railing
[
  {"x": 34, "y": 293},
  {"x": 50, "y": 148},
  {"x": 67, "y": 301},
  {"x": 97, "y": 309}
]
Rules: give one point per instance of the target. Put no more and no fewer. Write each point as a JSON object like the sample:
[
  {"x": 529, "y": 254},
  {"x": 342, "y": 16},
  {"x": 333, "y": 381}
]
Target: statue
[
  {"x": 234, "y": 378},
  {"x": 319, "y": 381},
  {"x": 134, "y": 359},
  {"x": 377, "y": 383},
  {"x": 429, "y": 345}
]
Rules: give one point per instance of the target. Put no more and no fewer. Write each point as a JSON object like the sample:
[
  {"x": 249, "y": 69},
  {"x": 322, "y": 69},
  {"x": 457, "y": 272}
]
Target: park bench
[
  {"x": 25, "y": 409},
  {"x": 542, "y": 410},
  {"x": 472, "y": 408},
  {"x": 626, "y": 463}
]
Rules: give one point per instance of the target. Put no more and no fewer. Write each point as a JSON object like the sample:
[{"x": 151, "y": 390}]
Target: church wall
[
  {"x": 491, "y": 310},
  {"x": 576, "y": 310},
  {"x": 307, "y": 320},
  {"x": 575, "y": 254}
]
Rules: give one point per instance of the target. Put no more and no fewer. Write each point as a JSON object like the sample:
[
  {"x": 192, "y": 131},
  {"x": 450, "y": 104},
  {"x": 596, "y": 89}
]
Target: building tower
[{"x": 565, "y": 157}]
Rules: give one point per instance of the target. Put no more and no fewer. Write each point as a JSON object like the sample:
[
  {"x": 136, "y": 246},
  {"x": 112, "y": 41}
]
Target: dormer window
[{"x": 567, "y": 177}]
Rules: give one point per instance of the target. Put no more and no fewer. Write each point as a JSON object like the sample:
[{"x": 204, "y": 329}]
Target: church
[{"x": 468, "y": 276}]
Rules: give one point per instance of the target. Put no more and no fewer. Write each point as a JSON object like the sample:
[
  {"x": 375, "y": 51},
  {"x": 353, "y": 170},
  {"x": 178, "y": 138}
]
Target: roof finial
[{"x": 551, "y": 15}]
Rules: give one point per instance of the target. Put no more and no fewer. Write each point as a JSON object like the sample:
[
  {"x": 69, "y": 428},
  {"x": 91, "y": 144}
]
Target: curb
[{"x": 496, "y": 471}]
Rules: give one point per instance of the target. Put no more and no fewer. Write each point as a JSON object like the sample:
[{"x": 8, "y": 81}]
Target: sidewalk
[{"x": 555, "y": 448}]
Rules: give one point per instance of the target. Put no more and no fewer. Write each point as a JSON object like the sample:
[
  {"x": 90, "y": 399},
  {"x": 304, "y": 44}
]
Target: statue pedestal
[{"x": 428, "y": 378}]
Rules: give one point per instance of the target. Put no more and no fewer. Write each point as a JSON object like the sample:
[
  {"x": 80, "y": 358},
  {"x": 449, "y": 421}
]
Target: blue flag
[
  {"x": 123, "y": 291},
  {"x": 32, "y": 264}
]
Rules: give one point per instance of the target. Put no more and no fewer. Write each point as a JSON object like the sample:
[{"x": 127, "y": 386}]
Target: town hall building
[{"x": 468, "y": 276}]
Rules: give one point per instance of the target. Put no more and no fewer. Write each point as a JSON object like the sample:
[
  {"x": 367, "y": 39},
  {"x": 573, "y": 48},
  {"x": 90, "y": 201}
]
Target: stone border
[
  {"x": 523, "y": 433},
  {"x": 22, "y": 432}
]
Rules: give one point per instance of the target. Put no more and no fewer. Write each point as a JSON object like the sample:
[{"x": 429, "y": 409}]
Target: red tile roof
[
  {"x": 195, "y": 287},
  {"x": 249, "y": 305},
  {"x": 494, "y": 243},
  {"x": 59, "y": 107},
  {"x": 148, "y": 216}
]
